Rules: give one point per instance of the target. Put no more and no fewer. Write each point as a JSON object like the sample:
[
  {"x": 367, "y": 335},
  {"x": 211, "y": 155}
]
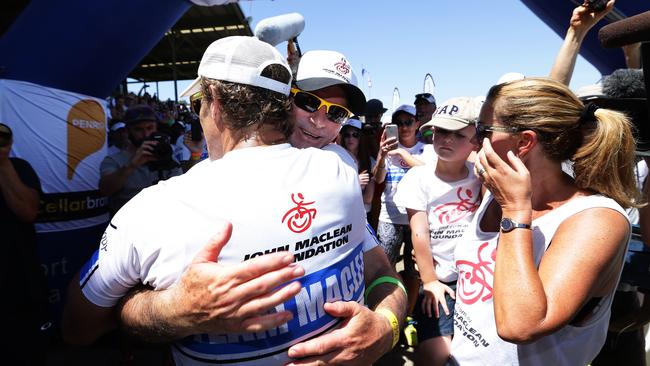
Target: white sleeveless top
[{"x": 475, "y": 339}]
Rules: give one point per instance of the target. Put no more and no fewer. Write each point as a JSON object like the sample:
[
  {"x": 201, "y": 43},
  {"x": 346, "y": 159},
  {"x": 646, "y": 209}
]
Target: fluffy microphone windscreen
[
  {"x": 624, "y": 83},
  {"x": 281, "y": 28}
]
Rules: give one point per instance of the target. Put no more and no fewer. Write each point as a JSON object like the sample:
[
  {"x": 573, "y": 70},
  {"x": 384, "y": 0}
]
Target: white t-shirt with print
[
  {"x": 476, "y": 341},
  {"x": 450, "y": 207},
  {"x": 396, "y": 167},
  {"x": 278, "y": 198}
]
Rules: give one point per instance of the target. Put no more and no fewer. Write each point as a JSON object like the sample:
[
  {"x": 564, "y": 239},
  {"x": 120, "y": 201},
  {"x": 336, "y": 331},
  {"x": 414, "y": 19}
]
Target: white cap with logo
[
  {"x": 321, "y": 69},
  {"x": 240, "y": 59}
]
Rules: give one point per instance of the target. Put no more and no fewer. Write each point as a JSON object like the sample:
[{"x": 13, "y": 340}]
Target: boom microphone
[
  {"x": 281, "y": 28},
  {"x": 627, "y": 31}
]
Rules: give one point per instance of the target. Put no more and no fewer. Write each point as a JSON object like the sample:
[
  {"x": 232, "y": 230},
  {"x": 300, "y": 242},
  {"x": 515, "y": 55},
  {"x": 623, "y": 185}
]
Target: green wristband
[{"x": 384, "y": 279}]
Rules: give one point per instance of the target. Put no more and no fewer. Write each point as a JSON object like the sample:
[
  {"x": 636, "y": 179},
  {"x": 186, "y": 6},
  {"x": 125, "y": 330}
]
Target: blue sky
[{"x": 465, "y": 45}]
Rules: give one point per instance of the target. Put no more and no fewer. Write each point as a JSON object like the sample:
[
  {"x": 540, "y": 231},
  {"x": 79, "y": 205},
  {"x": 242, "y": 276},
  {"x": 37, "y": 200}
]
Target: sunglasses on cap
[
  {"x": 483, "y": 130},
  {"x": 347, "y": 135},
  {"x": 195, "y": 102},
  {"x": 406, "y": 123},
  {"x": 311, "y": 103}
]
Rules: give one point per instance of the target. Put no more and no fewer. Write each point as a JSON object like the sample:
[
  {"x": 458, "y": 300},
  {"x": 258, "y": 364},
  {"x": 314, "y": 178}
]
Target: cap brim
[
  {"x": 356, "y": 98},
  {"x": 447, "y": 123},
  {"x": 192, "y": 89}
]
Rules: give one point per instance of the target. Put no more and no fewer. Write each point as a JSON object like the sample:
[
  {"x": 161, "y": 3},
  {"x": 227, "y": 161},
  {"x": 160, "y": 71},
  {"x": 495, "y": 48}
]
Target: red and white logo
[
  {"x": 475, "y": 279},
  {"x": 300, "y": 217},
  {"x": 343, "y": 66},
  {"x": 451, "y": 212}
]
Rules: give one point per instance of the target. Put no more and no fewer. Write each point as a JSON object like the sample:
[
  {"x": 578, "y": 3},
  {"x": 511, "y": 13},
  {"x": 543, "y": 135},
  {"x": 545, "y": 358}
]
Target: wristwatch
[{"x": 507, "y": 225}]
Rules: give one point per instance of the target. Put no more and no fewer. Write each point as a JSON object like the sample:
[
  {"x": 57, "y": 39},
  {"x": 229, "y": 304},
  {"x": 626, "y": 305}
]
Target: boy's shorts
[{"x": 431, "y": 327}]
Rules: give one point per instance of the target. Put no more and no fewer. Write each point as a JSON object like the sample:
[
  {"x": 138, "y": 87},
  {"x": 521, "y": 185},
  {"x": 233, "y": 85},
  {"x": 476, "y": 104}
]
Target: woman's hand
[
  {"x": 386, "y": 145},
  {"x": 508, "y": 181},
  {"x": 364, "y": 178},
  {"x": 584, "y": 18}
]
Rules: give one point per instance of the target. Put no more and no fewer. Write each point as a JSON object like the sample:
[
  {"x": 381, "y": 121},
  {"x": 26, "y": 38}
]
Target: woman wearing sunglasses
[
  {"x": 538, "y": 265},
  {"x": 350, "y": 139},
  {"x": 395, "y": 158}
]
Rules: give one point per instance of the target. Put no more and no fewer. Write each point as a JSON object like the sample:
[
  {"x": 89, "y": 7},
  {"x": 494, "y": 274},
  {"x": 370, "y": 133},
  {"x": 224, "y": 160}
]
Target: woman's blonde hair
[{"x": 599, "y": 143}]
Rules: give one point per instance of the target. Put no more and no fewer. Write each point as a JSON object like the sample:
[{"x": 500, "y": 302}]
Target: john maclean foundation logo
[{"x": 299, "y": 218}]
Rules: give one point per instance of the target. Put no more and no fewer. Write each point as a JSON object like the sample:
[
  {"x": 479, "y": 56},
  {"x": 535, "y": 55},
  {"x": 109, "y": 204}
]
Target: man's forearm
[
  {"x": 142, "y": 313},
  {"x": 385, "y": 295},
  {"x": 113, "y": 182}
]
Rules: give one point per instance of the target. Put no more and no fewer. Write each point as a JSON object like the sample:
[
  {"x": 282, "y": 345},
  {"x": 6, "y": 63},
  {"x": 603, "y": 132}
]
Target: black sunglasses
[
  {"x": 351, "y": 134},
  {"x": 483, "y": 130},
  {"x": 311, "y": 103},
  {"x": 407, "y": 123}
]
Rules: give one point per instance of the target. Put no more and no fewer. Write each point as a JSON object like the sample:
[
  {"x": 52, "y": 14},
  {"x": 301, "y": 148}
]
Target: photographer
[{"x": 146, "y": 160}]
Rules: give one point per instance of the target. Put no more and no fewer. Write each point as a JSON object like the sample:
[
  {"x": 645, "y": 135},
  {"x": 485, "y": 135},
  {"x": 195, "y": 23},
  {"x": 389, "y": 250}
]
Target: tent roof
[
  {"x": 182, "y": 45},
  {"x": 186, "y": 41}
]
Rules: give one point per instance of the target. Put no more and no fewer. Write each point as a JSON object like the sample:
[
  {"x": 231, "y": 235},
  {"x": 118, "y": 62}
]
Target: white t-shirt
[
  {"x": 278, "y": 198},
  {"x": 476, "y": 341},
  {"x": 450, "y": 207},
  {"x": 396, "y": 167}
]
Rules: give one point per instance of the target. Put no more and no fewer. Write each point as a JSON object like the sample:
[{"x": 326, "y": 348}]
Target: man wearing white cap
[
  {"x": 118, "y": 138},
  {"x": 320, "y": 227}
]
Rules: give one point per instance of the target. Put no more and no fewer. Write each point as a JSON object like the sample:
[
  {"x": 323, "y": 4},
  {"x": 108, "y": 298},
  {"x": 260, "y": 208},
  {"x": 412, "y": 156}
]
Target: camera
[
  {"x": 596, "y": 5},
  {"x": 162, "y": 152}
]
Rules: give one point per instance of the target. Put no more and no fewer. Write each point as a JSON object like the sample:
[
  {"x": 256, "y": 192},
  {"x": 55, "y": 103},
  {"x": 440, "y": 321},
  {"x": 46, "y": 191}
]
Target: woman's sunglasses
[
  {"x": 311, "y": 103},
  {"x": 351, "y": 134},
  {"x": 405, "y": 123},
  {"x": 483, "y": 130},
  {"x": 195, "y": 102}
]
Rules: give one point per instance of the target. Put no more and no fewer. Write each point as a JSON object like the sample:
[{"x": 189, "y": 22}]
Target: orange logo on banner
[{"x": 86, "y": 132}]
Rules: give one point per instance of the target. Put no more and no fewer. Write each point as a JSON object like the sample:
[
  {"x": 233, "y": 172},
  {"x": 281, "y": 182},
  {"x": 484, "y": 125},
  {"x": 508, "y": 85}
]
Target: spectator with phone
[{"x": 399, "y": 151}]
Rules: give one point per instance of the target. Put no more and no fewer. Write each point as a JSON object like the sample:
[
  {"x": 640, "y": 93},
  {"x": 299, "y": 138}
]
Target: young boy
[{"x": 440, "y": 199}]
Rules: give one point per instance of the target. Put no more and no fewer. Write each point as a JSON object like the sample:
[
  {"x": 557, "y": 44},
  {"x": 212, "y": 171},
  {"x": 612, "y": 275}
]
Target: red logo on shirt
[
  {"x": 451, "y": 212},
  {"x": 300, "y": 216},
  {"x": 475, "y": 279}
]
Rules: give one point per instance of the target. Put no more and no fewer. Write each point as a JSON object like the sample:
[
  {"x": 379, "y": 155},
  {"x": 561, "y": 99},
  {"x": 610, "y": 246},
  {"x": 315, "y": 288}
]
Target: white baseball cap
[
  {"x": 240, "y": 59},
  {"x": 456, "y": 113},
  {"x": 407, "y": 108},
  {"x": 117, "y": 126},
  {"x": 321, "y": 69},
  {"x": 352, "y": 122}
]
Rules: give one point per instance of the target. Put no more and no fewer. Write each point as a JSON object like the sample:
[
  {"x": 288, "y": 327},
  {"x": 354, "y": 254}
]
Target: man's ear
[
  {"x": 528, "y": 139},
  {"x": 215, "y": 108}
]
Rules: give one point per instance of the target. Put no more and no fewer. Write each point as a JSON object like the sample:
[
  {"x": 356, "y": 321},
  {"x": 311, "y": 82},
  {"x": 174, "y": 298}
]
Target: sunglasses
[
  {"x": 483, "y": 131},
  {"x": 195, "y": 102},
  {"x": 407, "y": 123},
  {"x": 351, "y": 134},
  {"x": 311, "y": 103}
]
